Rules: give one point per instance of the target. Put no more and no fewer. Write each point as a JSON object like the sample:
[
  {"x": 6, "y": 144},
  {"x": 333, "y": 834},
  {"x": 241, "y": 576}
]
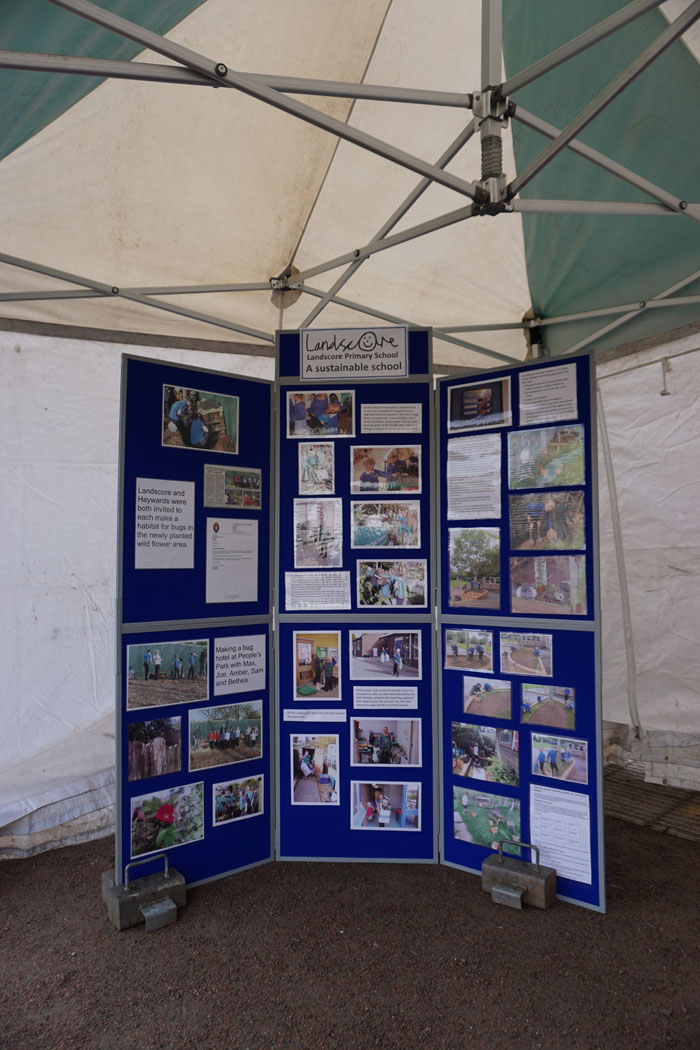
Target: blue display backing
[
  {"x": 324, "y": 830},
  {"x": 156, "y": 595},
  {"x": 228, "y": 846},
  {"x": 582, "y": 365},
  {"x": 574, "y": 647}
]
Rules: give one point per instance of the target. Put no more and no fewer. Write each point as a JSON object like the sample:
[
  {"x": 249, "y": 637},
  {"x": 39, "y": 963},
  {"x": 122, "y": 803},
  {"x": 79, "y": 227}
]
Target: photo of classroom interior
[
  {"x": 381, "y": 807},
  {"x": 316, "y": 672},
  {"x": 394, "y": 741}
]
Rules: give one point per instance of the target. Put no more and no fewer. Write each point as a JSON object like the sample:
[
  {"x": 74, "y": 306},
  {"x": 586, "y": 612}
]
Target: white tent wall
[
  {"x": 59, "y": 435},
  {"x": 60, "y": 439}
]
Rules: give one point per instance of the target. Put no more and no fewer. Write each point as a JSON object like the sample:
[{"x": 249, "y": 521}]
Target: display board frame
[
  {"x": 147, "y": 384},
  {"x": 395, "y": 848},
  {"x": 580, "y": 631}
]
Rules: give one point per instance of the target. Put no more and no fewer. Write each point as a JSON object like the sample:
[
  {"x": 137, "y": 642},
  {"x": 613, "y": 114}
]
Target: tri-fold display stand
[{"x": 358, "y": 617}]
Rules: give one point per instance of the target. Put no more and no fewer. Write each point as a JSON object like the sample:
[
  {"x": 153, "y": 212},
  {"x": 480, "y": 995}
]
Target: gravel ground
[{"x": 316, "y": 956}]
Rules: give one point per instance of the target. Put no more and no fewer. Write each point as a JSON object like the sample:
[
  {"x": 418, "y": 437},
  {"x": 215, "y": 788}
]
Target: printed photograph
[
  {"x": 382, "y": 807},
  {"x": 315, "y": 770},
  {"x": 201, "y": 420},
  {"x": 468, "y": 648},
  {"x": 485, "y": 819},
  {"x": 240, "y": 488},
  {"x": 475, "y": 568},
  {"x": 318, "y": 533},
  {"x": 160, "y": 673},
  {"x": 155, "y": 747},
  {"x": 224, "y": 734},
  {"x": 548, "y": 705},
  {"x": 238, "y": 799},
  {"x": 316, "y": 468},
  {"x": 392, "y": 583},
  {"x": 523, "y": 653},
  {"x": 386, "y": 741},
  {"x": 479, "y": 406},
  {"x": 387, "y": 653},
  {"x": 560, "y": 758},
  {"x": 549, "y": 586},
  {"x": 548, "y": 521},
  {"x": 321, "y": 414},
  {"x": 385, "y": 469},
  {"x": 490, "y": 698},
  {"x": 547, "y": 457},
  {"x": 317, "y": 665},
  {"x": 485, "y": 753},
  {"x": 386, "y": 524},
  {"x": 166, "y": 819}
]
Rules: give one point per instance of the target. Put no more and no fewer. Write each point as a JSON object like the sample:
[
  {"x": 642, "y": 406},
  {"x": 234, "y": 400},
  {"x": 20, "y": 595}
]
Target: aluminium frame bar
[
  {"x": 159, "y": 73},
  {"x": 416, "y": 193},
  {"x": 219, "y": 73},
  {"x": 529, "y": 120},
  {"x": 571, "y": 207},
  {"x": 574, "y": 47},
  {"x": 606, "y": 96}
]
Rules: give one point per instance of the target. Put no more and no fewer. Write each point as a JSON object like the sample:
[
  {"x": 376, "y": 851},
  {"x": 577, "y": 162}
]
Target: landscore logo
[{"x": 346, "y": 352}]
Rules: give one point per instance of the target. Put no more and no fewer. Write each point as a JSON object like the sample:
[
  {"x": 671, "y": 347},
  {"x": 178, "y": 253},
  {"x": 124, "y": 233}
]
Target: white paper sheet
[
  {"x": 548, "y": 394},
  {"x": 560, "y": 824},
  {"x": 316, "y": 590},
  {"x": 474, "y": 477},
  {"x": 239, "y": 664},
  {"x": 164, "y": 524},
  {"x": 232, "y": 560}
]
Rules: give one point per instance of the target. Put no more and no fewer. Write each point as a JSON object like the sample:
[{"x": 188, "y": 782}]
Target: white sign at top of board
[{"x": 353, "y": 353}]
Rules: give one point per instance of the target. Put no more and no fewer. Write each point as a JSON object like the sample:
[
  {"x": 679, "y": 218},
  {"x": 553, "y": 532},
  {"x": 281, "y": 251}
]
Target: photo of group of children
[
  {"x": 238, "y": 799},
  {"x": 386, "y": 524},
  {"x": 385, "y": 469},
  {"x": 167, "y": 673},
  {"x": 560, "y": 758},
  {"x": 403, "y": 581},
  {"x": 317, "y": 666},
  {"x": 322, "y": 414},
  {"x": 225, "y": 734},
  {"x": 199, "y": 419}
]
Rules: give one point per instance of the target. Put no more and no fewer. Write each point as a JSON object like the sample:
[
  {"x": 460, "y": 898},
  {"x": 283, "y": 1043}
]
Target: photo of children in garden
[
  {"x": 164, "y": 820},
  {"x": 386, "y": 524},
  {"x": 385, "y": 469},
  {"x": 160, "y": 673},
  {"x": 486, "y": 697},
  {"x": 546, "y": 457},
  {"x": 525, "y": 653},
  {"x": 485, "y": 819},
  {"x": 553, "y": 585},
  {"x": 316, "y": 468},
  {"x": 485, "y": 753},
  {"x": 200, "y": 420},
  {"x": 560, "y": 758},
  {"x": 548, "y": 705},
  {"x": 548, "y": 521},
  {"x": 475, "y": 568},
  {"x": 225, "y": 734},
  {"x": 323, "y": 414},
  {"x": 392, "y": 583},
  {"x": 468, "y": 648},
  {"x": 238, "y": 800}
]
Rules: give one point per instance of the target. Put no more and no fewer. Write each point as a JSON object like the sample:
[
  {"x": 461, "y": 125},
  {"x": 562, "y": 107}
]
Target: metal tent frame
[{"x": 492, "y": 106}]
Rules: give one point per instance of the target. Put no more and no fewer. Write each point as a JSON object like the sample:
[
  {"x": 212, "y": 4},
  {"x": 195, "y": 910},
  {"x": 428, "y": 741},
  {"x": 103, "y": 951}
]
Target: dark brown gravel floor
[{"x": 316, "y": 956}]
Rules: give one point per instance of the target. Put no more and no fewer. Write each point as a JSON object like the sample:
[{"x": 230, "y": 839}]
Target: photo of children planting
[
  {"x": 486, "y": 697},
  {"x": 468, "y": 648},
  {"x": 529, "y": 654},
  {"x": 548, "y": 705},
  {"x": 475, "y": 568},
  {"x": 485, "y": 819},
  {"x": 560, "y": 758},
  {"x": 485, "y": 753},
  {"x": 546, "y": 457},
  {"x": 548, "y": 521}
]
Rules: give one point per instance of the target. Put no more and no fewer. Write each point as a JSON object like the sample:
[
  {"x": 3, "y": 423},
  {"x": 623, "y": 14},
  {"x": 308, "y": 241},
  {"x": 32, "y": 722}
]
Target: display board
[
  {"x": 302, "y": 576},
  {"x": 194, "y": 737},
  {"x": 519, "y": 621},
  {"x": 354, "y": 571}
]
